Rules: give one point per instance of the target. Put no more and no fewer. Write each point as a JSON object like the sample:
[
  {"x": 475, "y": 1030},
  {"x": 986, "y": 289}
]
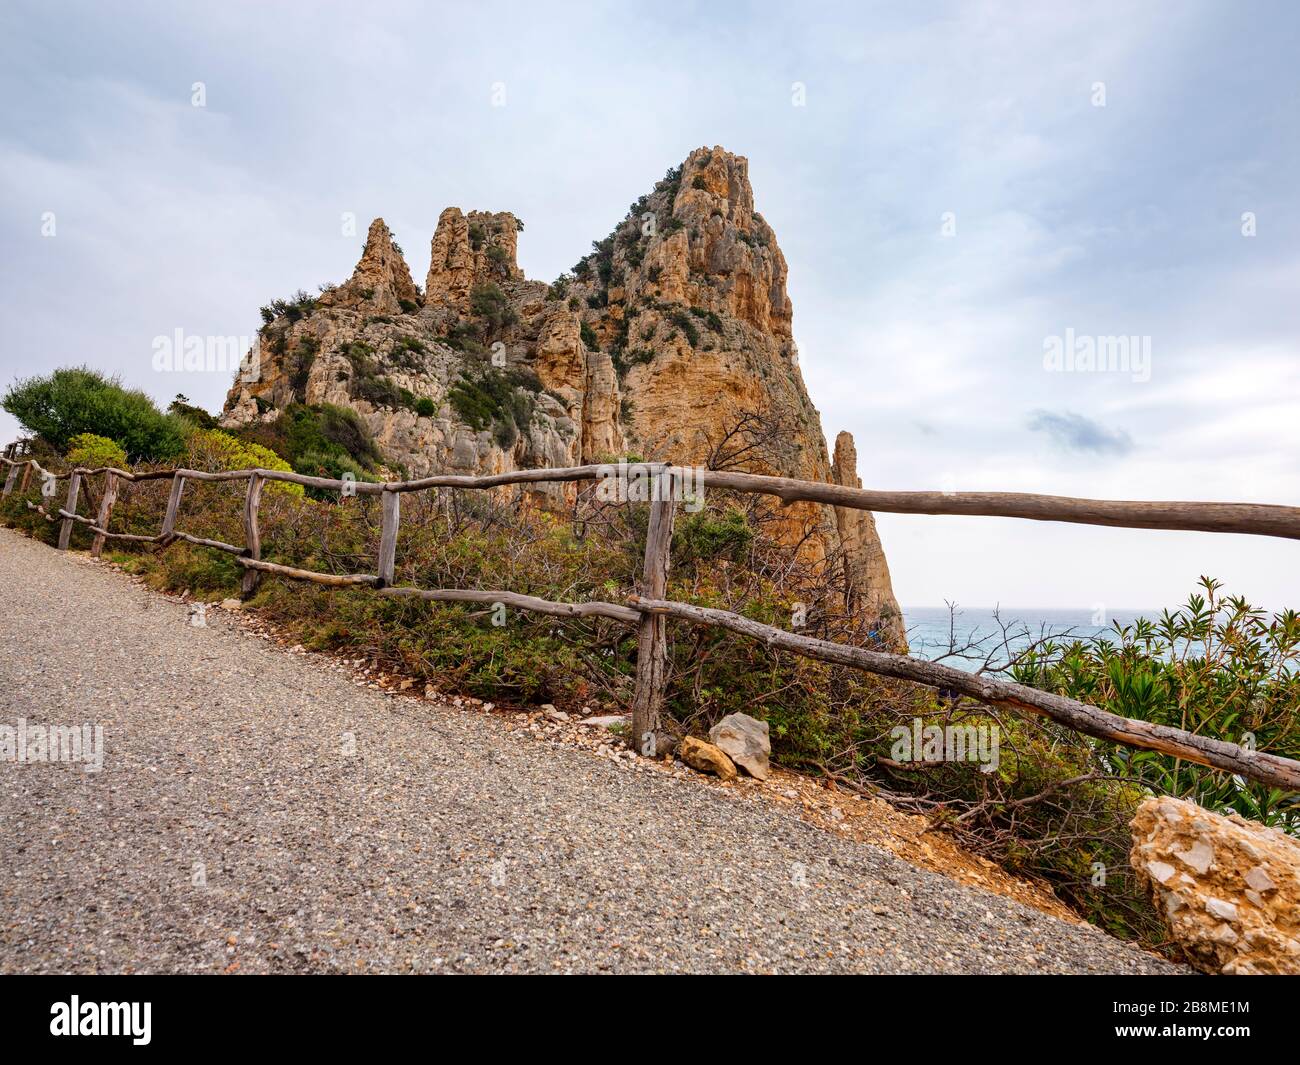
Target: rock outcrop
[
  {"x": 381, "y": 283},
  {"x": 470, "y": 250},
  {"x": 870, "y": 588},
  {"x": 671, "y": 340},
  {"x": 1229, "y": 888}
]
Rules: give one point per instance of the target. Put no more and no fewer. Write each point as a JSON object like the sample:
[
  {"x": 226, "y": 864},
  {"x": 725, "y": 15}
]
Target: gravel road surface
[{"x": 259, "y": 811}]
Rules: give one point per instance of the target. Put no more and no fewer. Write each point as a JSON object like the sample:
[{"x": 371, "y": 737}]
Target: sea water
[{"x": 931, "y": 631}]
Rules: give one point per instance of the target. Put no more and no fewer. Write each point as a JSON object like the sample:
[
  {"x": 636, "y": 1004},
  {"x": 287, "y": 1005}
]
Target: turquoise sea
[{"x": 932, "y": 631}]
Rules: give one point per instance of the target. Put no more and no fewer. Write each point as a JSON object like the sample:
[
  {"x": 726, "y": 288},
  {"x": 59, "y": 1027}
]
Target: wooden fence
[{"x": 649, "y": 611}]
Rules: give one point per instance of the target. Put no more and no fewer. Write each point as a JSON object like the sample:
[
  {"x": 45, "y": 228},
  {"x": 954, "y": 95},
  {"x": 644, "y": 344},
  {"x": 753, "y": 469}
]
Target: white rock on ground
[{"x": 745, "y": 740}]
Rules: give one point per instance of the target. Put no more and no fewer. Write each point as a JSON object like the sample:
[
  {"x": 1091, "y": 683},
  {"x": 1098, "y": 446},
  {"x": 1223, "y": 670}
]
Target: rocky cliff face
[{"x": 671, "y": 340}]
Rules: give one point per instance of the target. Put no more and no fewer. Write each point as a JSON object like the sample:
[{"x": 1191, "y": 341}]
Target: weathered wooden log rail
[{"x": 649, "y": 611}]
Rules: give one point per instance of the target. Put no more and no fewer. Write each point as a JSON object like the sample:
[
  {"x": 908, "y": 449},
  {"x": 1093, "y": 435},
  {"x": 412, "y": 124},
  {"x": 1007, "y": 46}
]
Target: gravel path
[{"x": 228, "y": 829}]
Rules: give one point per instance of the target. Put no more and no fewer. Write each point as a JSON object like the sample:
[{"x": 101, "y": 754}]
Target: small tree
[{"x": 77, "y": 400}]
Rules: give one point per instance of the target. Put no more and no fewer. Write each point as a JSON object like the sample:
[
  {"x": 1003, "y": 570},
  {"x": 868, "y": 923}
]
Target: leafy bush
[
  {"x": 495, "y": 398},
  {"x": 297, "y": 306},
  {"x": 1217, "y": 667},
  {"x": 182, "y": 408},
  {"x": 211, "y": 449},
  {"x": 710, "y": 535},
  {"x": 92, "y": 452},
  {"x": 488, "y": 302},
  {"x": 686, "y": 324},
  {"x": 588, "y": 337},
  {"x": 304, "y": 357},
  {"x": 383, "y": 392},
  {"x": 78, "y": 400},
  {"x": 425, "y": 407}
]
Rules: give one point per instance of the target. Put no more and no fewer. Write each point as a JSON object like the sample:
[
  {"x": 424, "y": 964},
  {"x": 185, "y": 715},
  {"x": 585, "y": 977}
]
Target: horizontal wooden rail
[
  {"x": 647, "y": 612},
  {"x": 1258, "y": 519},
  {"x": 626, "y": 614},
  {"x": 1257, "y": 765},
  {"x": 338, "y": 580}
]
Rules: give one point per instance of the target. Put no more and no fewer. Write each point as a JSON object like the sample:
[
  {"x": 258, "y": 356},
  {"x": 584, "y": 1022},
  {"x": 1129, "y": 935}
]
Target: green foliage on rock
[
  {"x": 503, "y": 400},
  {"x": 296, "y": 307},
  {"x": 212, "y": 449},
  {"x": 322, "y": 440},
  {"x": 488, "y": 302}
]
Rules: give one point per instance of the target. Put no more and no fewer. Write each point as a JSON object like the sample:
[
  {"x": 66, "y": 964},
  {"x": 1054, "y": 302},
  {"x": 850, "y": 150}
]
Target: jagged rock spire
[
  {"x": 381, "y": 283},
  {"x": 866, "y": 570},
  {"x": 468, "y": 250}
]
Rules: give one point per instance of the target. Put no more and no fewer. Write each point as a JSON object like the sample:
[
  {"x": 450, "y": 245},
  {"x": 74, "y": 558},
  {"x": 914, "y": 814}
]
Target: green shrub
[
  {"x": 686, "y": 324},
  {"x": 78, "y": 400},
  {"x": 297, "y": 306},
  {"x": 380, "y": 391},
  {"x": 425, "y": 407},
  {"x": 92, "y": 452},
  {"x": 182, "y": 408},
  {"x": 212, "y": 449},
  {"x": 588, "y": 337},
  {"x": 495, "y": 398},
  {"x": 710, "y": 535},
  {"x": 304, "y": 357},
  {"x": 488, "y": 302},
  {"x": 1217, "y": 667}
]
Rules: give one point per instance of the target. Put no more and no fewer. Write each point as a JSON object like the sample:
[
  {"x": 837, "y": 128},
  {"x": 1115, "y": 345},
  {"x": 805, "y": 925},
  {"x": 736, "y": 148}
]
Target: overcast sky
[{"x": 953, "y": 185}]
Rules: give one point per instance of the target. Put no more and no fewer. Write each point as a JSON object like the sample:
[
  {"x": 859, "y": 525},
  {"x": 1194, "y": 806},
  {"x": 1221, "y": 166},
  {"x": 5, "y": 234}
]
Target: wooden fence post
[
  {"x": 65, "y": 530},
  {"x": 105, "y": 512},
  {"x": 392, "y": 504},
  {"x": 173, "y": 507},
  {"x": 10, "y": 478},
  {"x": 27, "y": 477},
  {"x": 252, "y": 534},
  {"x": 652, "y": 633}
]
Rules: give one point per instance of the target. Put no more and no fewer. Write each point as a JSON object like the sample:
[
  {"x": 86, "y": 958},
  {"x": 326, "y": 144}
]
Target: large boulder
[
  {"x": 745, "y": 740},
  {"x": 1229, "y": 888},
  {"x": 706, "y": 758}
]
